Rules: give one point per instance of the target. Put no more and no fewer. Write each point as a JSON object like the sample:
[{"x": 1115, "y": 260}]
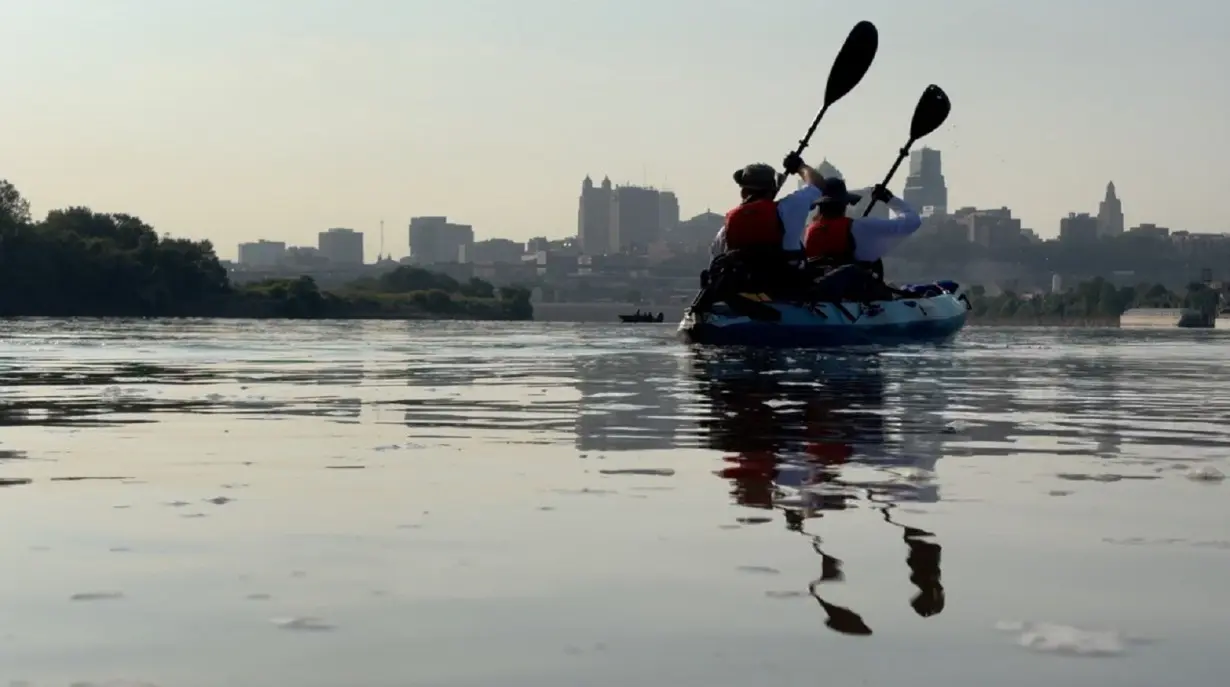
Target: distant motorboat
[{"x": 642, "y": 318}]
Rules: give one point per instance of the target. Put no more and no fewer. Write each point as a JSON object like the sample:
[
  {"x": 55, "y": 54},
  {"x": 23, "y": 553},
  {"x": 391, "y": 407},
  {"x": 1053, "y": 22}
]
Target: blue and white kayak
[{"x": 937, "y": 314}]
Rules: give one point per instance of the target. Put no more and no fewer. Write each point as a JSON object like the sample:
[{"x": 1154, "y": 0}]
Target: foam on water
[{"x": 1066, "y": 640}]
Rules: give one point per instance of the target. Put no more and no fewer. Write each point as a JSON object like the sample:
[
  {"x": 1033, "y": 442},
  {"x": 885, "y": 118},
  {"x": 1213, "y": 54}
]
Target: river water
[{"x": 354, "y": 504}]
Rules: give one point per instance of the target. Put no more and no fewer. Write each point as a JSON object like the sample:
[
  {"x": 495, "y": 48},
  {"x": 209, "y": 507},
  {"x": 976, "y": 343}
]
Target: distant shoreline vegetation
[
  {"x": 1092, "y": 303},
  {"x": 80, "y": 263}
]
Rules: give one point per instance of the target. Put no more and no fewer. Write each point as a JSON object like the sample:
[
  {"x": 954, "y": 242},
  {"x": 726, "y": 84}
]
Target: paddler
[
  {"x": 834, "y": 239},
  {"x": 762, "y": 224}
]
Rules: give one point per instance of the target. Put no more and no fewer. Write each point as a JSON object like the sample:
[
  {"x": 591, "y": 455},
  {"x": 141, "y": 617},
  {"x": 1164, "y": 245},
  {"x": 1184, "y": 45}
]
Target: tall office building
[
  {"x": 617, "y": 219},
  {"x": 925, "y": 186},
  {"x": 668, "y": 212},
  {"x": 636, "y": 217},
  {"x": 1110, "y": 213},
  {"x": 341, "y": 246},
  {"x": 594, "y": 218},
  {"x": 436, "y": 240}
]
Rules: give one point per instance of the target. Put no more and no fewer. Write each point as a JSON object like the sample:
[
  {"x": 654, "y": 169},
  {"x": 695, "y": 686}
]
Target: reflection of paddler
[
  {"x": 840, "y": 618},
  {"x": 924, "y": 563},
  {"x": 829, "y": 428},
  {"x": 758, "y": 475},
  {"x": 752, "y": 474}
]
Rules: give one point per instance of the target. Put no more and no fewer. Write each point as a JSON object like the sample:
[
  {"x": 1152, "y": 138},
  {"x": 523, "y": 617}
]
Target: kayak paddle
[
  {"x": 849, "y": 67},
  {"x": 929, "y": 114}
]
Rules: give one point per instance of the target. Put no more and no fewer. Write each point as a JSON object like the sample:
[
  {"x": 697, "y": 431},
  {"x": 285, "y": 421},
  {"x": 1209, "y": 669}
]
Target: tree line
[
  {"x": 79, "y": 263},
  {"x": 1096, "y": 298}
]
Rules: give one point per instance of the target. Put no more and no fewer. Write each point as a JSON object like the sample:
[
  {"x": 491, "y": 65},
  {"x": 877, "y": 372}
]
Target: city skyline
[
  {"x": 629, "y": 218},
  {"x": 239, "y": 121}
]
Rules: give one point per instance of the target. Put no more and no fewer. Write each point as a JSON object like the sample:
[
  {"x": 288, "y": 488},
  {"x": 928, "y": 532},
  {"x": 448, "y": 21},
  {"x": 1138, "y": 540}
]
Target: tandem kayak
[{"x": 937, "y": 313}]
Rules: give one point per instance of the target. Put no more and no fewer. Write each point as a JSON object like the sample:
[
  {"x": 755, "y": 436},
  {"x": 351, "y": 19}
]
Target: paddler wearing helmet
[{"x": 760, "y": 223}]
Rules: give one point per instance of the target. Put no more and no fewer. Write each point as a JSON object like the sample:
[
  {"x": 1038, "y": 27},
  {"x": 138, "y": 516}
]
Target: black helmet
[{"x": 757, "y": 176}]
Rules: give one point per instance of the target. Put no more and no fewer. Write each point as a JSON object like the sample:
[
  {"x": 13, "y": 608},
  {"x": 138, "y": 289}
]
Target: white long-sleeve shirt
[
  {"x": 876, "y": 237},
  {"x": 873, "y": 237}
]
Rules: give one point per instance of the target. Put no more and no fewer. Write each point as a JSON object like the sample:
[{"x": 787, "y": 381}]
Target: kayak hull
[{"x": 935, "y": 318}]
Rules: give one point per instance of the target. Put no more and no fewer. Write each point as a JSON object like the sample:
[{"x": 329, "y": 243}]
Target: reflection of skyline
[
  {"x": 795, "y": 423},
  {"x": 626, "y": 402}
]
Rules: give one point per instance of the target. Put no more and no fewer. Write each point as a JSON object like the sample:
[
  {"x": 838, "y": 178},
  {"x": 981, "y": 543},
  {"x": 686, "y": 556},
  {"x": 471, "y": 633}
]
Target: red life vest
[
  {"x": 830, "y": 239},
  {"x": 753, "y": 224}
]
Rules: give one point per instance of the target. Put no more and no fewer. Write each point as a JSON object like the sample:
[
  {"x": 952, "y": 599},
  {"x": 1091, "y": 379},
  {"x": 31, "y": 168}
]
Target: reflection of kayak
[{"x": 939, "y": 313}]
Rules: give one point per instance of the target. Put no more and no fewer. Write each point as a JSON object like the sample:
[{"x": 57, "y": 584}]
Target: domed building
[{"x": 828, "y": 171}]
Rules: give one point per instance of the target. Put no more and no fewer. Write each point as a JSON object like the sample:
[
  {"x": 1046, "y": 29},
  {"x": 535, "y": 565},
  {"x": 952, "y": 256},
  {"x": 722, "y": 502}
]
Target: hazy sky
[{"x": 239, "y": 119}]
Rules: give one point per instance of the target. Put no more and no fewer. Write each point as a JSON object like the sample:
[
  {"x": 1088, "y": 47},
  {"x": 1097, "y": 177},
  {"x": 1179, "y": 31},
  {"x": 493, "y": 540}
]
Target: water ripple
[{"x": 847, "y": 474}]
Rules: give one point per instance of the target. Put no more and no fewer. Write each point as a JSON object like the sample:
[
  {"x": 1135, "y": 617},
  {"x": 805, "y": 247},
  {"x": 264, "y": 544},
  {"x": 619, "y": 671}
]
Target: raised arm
[{"x": 874, "y": 238}]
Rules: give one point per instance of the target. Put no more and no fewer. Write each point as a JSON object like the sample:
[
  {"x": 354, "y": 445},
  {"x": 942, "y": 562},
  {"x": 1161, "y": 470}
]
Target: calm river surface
[{"x": 387, "y": 504}]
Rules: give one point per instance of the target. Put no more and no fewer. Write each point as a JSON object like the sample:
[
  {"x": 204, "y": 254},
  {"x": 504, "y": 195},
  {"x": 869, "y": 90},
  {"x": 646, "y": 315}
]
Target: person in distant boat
[
  {"x": 761, "y": 223},
  {"x": 834, "y": 239}
]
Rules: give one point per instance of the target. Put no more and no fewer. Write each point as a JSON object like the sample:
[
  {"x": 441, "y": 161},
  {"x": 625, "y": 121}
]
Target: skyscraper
[
  {"x": 594, "y": 219},
  {"x": 925, "y": 186},
  {"x": 1110, "y": 213},
  {"x": 616, "y": 219},
  {"x": 636, "y": 217},
  {"x": 668, "y": 212}
]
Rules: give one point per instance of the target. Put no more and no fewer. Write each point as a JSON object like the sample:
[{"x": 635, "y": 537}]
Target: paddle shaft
[
  {"x": 815, "y": 123},
  {"x": 850, "y": 65},
  {"x": 901, "y": 156}
]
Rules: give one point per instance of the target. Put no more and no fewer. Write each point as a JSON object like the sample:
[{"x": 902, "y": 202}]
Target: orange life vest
[
  {"x": 753, "y": 224},
  {"x": 830, "y": 239}
]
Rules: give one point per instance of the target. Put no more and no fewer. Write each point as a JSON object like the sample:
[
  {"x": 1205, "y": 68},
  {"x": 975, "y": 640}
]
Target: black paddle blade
[
  {"x": 933, "y": 108},
  {"x": 852, "y": 62}
]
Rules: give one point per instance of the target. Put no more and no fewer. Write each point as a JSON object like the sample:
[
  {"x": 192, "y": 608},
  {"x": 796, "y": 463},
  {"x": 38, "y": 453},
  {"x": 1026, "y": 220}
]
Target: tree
[
  {"x": 406, "y": 279},
  {"x": 478, "y": 288},
  {"x": 14, "y": 209},
  {"x": 438, "y": 301},
  {"x": 79, "y": 262},
  {"x": 516, "y": 300}
]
